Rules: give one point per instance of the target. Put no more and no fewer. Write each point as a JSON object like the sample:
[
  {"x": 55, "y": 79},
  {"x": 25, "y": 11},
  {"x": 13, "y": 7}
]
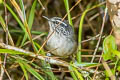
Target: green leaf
[
  {"x": 16, "y": 18},
  {"x": 107, "y": 74},
  {"x": 107, "y": 78},
  {"x": 1, "y": 1},
  {"x": 4, "y": 28},
  {"x": 118, "y": 68},
  {"x": 72, "y": 73},
  {"x": 78, "y": 74},
  {"x": 117, "y": 53},
  {"x": 32, "y": 71},
  {"x": 33, "y": 32},
  {"x": 75, "y": 73},
  {"x": 106, "y": 57},
  {"x": 23, "y": 68},
  {"x": 32, "y": 13},
  {"x": 30, "y": 20},
  {"x": 42, "y": 51},
  {"x": 22, "y": 7},
  {"x": 108, "y": 46},
  {"x": 12, "y": 52},
  {"x": 68, "y": 12},
  {"x": 85, "y": 64},
  {"x": 80, "y": 33},
  {"x": 2, "y": 23},
  {"x": 45, "y": 68}
]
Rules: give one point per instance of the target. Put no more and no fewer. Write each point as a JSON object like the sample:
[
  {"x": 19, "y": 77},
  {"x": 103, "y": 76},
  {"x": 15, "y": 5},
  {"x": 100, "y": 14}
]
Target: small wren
[{"x": 62, "y": 42}]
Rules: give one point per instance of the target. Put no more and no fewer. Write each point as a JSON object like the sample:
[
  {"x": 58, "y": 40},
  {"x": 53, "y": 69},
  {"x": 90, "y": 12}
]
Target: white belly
[{"x": 60, "y": 45}]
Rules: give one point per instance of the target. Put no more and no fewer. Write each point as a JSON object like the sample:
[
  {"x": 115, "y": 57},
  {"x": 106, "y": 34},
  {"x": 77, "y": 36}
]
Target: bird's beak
[{"x": 46, "y": 18}]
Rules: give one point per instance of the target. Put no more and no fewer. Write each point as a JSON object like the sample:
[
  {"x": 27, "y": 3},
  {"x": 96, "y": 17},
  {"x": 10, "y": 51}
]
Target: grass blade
[
  {"x": 68, "y": 12},
  {"x": 32, "y": 13},
  {"x": 23, "y": 68}
]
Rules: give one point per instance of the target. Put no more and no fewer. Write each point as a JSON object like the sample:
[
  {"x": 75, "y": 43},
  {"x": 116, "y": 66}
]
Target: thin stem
[{"x": 100, "y": 36}]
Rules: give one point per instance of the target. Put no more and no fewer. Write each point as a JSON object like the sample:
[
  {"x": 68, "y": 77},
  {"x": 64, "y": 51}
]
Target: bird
[{"x": 62, "y": 40}]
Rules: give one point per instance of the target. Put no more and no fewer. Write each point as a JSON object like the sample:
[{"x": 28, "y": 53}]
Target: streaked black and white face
[
  {"x": 60, "y": 26},
  {"x": 57, "y": 20}
]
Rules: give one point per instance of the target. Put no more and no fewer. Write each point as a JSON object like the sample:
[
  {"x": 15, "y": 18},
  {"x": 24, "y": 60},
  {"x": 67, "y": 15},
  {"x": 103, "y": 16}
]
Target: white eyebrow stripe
[{"x": 61, "y": 22}]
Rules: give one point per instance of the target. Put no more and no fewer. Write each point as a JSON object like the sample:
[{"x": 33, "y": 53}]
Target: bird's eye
[{"x": 55, "y": 22}]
